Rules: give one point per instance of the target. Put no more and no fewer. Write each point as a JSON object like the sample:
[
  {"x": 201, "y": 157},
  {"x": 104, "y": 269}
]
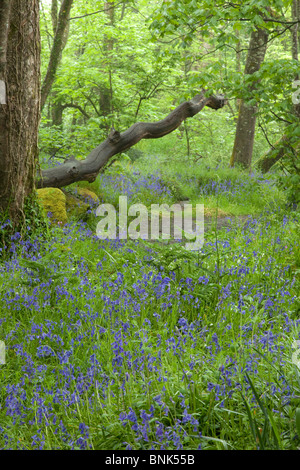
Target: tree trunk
[
  {"x": 57, "y": 48},
  {"x": 106, "y": 92},
  {"x": 279, "y": 150},
  {"x": 56, "y": 104},
  {"x": 273, "y": 155},
  {"x": 19, "y": 103},
  {"x": 238, "y": 65},
  {"x": 245, "y": 129},
  {"x": 57, "y": 110},
  {"x": 54, "y": 15},
  {"x": 88, "y": 169}
]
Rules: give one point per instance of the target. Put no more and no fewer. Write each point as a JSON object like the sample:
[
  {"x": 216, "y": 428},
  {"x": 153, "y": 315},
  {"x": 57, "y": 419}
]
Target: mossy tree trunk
[
  {"x": 59, "y": 42},
  {"x": 273, "y": 155},
  {"x": 106, "y": 90},
  {"x": 286, "y": 143},
  {"x": 57, "y": 106},
  {"x": 19, "y": 103}
]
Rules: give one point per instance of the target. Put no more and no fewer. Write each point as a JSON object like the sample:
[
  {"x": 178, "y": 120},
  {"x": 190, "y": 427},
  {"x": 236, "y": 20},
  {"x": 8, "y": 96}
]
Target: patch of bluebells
[
  {"x": 232, "y": 188},
  {"x": 161, "y": 436},
  {"x": 82, "y": 441},
  {"x": 227, "y": 186},
  {"x": 66, "y": 364},
  {"x": 131, "y": 187}
]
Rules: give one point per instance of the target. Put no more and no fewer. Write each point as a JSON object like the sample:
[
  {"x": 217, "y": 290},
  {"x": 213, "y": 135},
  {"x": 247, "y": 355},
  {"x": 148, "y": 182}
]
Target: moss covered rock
[
  {"x": 87, "y": 195},
  {"x": 76, "y": 208},
  {"x": 53, "y": 203}
]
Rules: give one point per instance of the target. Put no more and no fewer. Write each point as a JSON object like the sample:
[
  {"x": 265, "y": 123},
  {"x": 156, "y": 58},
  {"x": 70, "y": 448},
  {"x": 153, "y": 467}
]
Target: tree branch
[
  {"x": 91, "y": 101},
  {"x": 88, "y": 169},
  {"x": 76, "y": 106},
  {"x": 95, "y": 12}
]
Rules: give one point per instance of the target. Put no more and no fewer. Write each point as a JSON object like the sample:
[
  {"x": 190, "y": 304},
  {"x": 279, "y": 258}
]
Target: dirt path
[
  {"x": 227, "y": 221},
  {"x": 210, "y": 222}
]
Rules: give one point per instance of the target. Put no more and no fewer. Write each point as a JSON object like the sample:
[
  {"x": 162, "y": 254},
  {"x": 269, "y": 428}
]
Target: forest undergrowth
[{"x": 127, "y": 344}]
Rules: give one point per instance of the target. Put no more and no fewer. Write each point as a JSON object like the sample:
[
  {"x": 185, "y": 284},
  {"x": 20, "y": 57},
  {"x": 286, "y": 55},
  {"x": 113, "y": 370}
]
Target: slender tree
[
  {"x": 57, "y": 106},
  {"x": 245, "y": 128},
  {"x": 106, "y": 91},
  {"x": 59, "y": 43}
]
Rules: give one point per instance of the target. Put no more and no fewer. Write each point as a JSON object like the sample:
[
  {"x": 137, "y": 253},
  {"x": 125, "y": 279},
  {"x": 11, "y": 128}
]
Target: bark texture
[
  {"x": 88, "y": 169},
  {"x": 245, "y": 129},
  {"x": 20, "y": 110}
]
